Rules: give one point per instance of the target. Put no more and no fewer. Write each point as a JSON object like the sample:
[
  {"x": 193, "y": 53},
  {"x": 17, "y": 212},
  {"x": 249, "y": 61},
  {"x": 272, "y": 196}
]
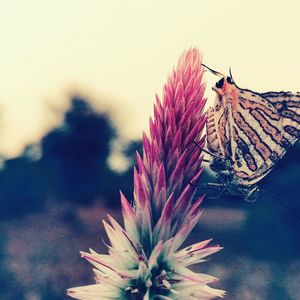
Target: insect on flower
[
  {"x": 144, "y": 260},
  {"x": 247, "y": 133}
]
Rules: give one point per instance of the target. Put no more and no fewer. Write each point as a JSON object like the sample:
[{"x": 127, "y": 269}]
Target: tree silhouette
[
  {"x": 69, "y": 164},
  {"x": 76, "y": 153},
  {"x": 22, "y": 187}
]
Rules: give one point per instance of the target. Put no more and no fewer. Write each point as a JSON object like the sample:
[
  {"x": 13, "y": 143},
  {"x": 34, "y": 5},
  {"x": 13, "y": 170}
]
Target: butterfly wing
[
  {"x": 287, "y": 105},
  {"x": 258, "y": 138},
  {"x": 217, "y": 129},
  {"x": 251, "y": 130}
]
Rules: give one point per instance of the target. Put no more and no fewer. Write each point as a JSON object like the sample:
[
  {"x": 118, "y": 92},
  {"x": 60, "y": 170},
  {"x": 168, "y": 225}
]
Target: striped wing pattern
[
  {"x": 287, "y": 105},
  {"x": 217, "y": 130},
  {"x": 252, "y": 130}
]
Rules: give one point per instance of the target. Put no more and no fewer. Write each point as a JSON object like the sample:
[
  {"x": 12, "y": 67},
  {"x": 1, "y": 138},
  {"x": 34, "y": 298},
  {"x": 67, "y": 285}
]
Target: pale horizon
[{"x": 119, "y": 54}]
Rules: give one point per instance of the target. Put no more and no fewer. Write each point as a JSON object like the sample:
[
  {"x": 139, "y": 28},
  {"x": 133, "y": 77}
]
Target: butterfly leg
[
  {"x": 252, "y": 195},
  {"x": 218, "y": 196},
  {"x": 213, "y": 186},
  {"x": 208, "y": 152}
]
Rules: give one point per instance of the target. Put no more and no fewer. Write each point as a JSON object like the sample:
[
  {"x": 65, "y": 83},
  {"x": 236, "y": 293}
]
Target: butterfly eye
[
  {"x": 229, "y": 80},
  {"x": 220, "y": 83}
]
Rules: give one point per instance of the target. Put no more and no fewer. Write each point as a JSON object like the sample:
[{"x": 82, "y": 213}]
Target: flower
[{"x": 144, "y": 260}]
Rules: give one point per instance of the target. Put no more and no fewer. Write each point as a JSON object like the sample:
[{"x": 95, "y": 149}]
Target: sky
[{"x": 119, "y": 54}]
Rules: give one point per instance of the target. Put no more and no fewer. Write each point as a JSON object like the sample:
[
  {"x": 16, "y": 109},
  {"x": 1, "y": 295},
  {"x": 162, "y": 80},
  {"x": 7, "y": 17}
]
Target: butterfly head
[
  {"x": 224, "y": 85},
  {"x": 227, "y": 92},
  {"x": 226, "y": 89}
]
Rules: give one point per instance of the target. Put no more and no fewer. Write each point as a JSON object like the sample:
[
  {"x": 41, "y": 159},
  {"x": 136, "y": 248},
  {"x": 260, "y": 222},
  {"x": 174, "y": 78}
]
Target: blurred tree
[
  {"x": 69, "y": 164},
  {"x": 125, "y": 179},
  {"x": 22, "y": 187},
  {"x": 75, "y": 154},
  {"x": 131, "y": 149}
]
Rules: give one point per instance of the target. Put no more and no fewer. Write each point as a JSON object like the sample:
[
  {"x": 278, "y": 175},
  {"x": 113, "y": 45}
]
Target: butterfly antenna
[
  {"x": 213, "y": 71},
  {"x": 230, "y": 74},
  {"x": 282, "y": 203}
]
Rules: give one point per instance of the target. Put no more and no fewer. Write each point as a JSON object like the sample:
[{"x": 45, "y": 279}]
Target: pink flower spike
[{"x": 144, "y": 262}]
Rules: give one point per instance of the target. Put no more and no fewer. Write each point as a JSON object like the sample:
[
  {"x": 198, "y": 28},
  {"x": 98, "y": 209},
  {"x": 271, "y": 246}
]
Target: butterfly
[{"x": 248, "y": 133}]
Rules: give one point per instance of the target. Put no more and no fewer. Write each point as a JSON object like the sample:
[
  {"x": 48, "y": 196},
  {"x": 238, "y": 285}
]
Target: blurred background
[{"x": 78, "y": 85}]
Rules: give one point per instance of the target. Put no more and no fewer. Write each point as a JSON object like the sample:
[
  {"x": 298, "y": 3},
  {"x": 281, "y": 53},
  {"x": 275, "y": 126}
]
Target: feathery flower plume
[{"x": 144, "y": 261}]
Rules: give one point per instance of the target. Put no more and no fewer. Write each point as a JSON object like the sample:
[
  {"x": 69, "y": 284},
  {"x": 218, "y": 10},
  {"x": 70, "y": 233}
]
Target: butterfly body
[
  {"x": 231, "y": 183},
  {"x": 248, "y": 132}
]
